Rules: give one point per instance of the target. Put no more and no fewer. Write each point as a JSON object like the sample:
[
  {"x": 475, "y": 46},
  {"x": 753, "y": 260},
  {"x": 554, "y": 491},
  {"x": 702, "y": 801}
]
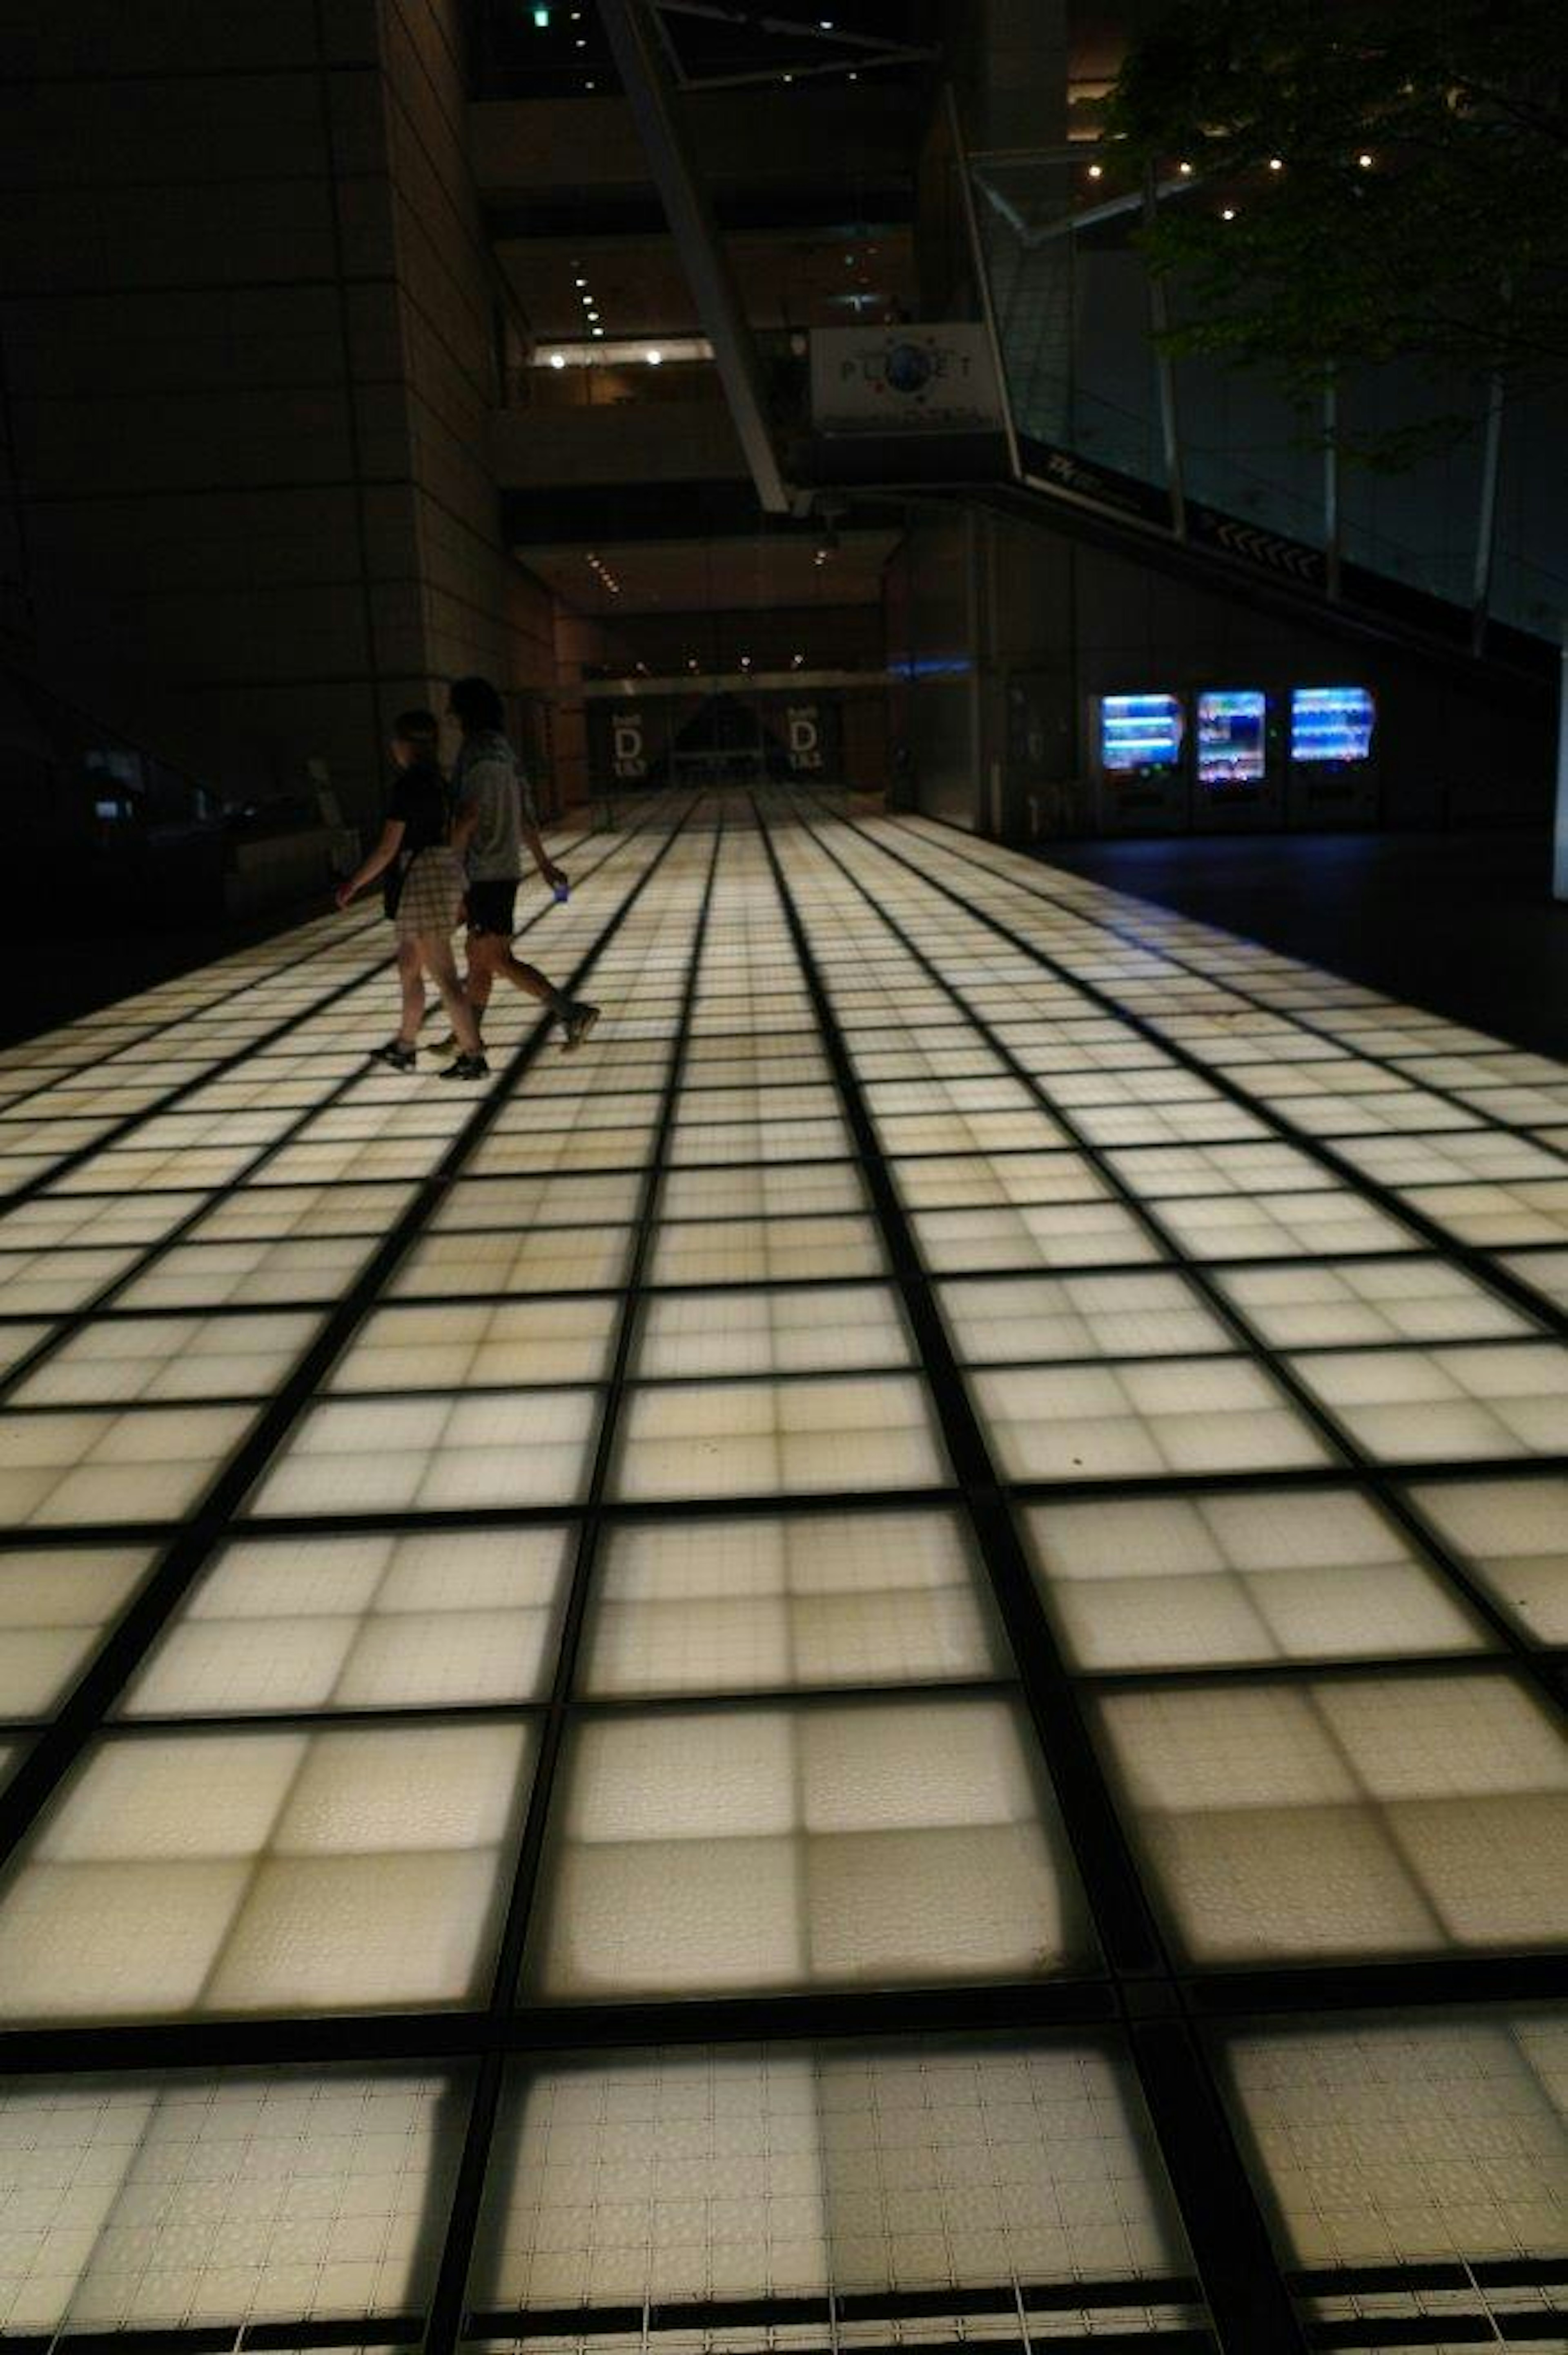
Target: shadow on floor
[{"x": 1463, "y": 923}]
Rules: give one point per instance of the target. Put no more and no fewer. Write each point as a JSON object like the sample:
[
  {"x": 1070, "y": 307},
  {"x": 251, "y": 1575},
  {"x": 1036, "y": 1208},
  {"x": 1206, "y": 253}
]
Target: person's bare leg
[
  {"x": 477, "y": 980},
  {"x": 442, "y": 966},
  {"x": 489, "y": 954},
  {"x": 412, "y": 982}
]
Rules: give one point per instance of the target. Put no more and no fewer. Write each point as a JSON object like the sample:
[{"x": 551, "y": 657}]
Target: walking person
[
  {"x": 496, "y": 808},
  {"x": 423, "y": 894}
]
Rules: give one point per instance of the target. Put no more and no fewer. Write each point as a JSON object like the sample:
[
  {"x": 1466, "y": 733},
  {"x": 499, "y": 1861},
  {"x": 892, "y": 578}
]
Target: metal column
[{"x": 640, "y": 61}]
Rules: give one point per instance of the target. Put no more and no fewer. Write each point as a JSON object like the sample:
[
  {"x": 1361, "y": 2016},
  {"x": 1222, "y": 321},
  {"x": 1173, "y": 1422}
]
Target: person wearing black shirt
[{"x": 422, "y": 893}]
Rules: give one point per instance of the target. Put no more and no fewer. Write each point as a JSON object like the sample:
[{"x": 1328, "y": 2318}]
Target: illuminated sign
[
  {"x": 1331, "y": 723},
  {"x": 1139, "y": 733},
  {"x": 1233, "y": 744},
  {"x": 904, "y": 380}
]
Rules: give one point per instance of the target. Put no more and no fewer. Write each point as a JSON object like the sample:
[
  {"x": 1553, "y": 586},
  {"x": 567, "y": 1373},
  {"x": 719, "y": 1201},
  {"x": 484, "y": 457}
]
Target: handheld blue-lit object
[{"x": 563, "y": 892}]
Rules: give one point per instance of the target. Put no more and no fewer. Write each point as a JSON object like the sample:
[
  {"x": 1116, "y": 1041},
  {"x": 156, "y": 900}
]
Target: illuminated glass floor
[{"x": 877, "y": 1664}]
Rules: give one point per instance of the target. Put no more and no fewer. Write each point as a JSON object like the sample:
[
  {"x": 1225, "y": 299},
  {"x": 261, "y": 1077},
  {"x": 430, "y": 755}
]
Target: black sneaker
[
  {"x": 467, "y": 1067},
  {"x": 401, "y": 1057},
  {"x": 576, "y": 1023}
]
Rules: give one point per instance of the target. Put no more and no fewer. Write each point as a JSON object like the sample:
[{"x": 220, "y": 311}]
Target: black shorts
[{"x": 490, "y": 906}]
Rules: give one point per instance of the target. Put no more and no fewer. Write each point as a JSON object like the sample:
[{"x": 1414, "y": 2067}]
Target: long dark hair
[{"x": 475, "y": 705}]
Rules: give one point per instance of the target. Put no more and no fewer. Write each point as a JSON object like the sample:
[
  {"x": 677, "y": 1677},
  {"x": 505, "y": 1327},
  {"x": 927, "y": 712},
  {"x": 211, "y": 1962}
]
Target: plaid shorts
[{"x": 432, "y": 900}]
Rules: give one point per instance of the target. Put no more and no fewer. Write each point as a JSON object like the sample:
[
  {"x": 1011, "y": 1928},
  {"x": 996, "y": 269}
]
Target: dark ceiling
[{"x": 540, "y": 48}]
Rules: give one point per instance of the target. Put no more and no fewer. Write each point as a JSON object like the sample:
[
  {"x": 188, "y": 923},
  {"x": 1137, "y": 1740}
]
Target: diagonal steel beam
[{"x": 644, "y": 72}]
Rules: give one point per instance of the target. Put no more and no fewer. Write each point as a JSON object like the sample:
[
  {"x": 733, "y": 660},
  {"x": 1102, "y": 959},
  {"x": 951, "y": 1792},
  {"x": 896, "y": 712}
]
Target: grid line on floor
[{"x": 833, "y": 1667}]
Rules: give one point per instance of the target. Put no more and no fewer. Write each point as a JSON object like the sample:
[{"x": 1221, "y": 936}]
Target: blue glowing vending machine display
[
  {"x": 1334, "y": 770},
  {"x": 1238, "y": 780},
  {"x": 1140, "y": 743}
]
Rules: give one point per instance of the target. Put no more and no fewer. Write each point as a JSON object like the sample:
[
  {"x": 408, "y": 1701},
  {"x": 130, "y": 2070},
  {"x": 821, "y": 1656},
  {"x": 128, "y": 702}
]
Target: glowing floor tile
[
  {"x": 817, "y": 1599},
  {"x": 1179, "y": 1582},
  {"x": 1160, "y": 1173},
  {"x": 1029, "y": 1320},
  {"x": 1422, "y": 1405},
  {"x": 765, "y": 1251},
  {"x": 1384, "y": 2140},
  {"x": 535, "y": 1154},
  {"x": 1282, "y": 1226},
  {"x": 1111, "y": 1421},
  {"x": 55, "y": 1605},
  {"x": 1370, "y": 1300},
  {"x": 760, "y": 1191},
  {"x": 56, "y": 1219},
  {"x": 53, "y": 1283},
  {"x": 159, "y": 2203},
  {"x": 457, "y": 1347},
  {"x": 382, "y": 1622},
  {"x": 273, "y": 1213},
  {"x": 1415, "y": 1814},
  {"x": 554, "y": 1259},
  {"x": 1512, "y": 1535},
  {"x": 248, "y": 1274},
  {"x": 751, "y": 1848},
  {"x": 367, "y": 1455},
  {"x": 977, "y": 1181},
  {"x": 115, "y": 1360},
  {"x": 1495, "y": 1215},
  {"x": 1071, "y": 1235},
  {"x": 265, "y": 1871},
  {"x": 490, "y": 1206},
  {"x": 841, "y": 1328},
  {"x": 791, "y": 2170},
  {"x": 144, "y": 1465},
  {"x": 764, "y": 1438}
]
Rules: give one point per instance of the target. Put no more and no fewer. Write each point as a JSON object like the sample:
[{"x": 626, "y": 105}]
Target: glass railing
[{"x": 1100, "y": 403}]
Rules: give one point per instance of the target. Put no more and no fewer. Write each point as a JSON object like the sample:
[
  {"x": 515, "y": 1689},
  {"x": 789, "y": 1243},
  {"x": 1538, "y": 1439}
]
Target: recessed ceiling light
[
  {"x": 596, "y": 331},
  {"x": 1365, "y": 162},
  {"x": 1277, "y": 163},
  {"x": 654, "y": 359},
  {"x": 1185, "y": 170},
  {"x": 579, "y": 282},
  {"x": 1229, "y": 213},
  {"x": 556, "y": 360},
  {"x": 1097, "y": 170}
]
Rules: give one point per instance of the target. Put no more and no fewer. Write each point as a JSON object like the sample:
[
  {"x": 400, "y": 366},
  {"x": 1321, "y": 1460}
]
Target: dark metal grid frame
[
  {"x": 1226, "y": 981},
  {"x": 808, "y": 2015},
  {"x": 1369, "y": 1473},
  {"x": 1475, "y": 1260}
]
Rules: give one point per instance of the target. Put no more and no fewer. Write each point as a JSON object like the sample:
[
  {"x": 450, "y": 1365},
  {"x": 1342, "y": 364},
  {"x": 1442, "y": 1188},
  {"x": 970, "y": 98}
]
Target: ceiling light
[
  {"x": 1097, "y": 170},
  {"x": 1277, "y": 163},
  {"x": 596, "y": 331},
  {"x": 1229, "y": 213},
  {"x": 654, "y": 359},
  {"x": 542, "y": 18},
  {"x": 556, "y": 360},
  {"x": 1185, "y": 170},
  {"x": 1365, "y": 162},
  {"x": 579, "y": 282}
]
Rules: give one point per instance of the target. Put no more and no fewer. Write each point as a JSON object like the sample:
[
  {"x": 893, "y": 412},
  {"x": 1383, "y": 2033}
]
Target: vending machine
[
  {"x": 1139, "y": 749},
  {"x": 1238, "y": 768},
  {"x": 1333, "y": 765}
]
